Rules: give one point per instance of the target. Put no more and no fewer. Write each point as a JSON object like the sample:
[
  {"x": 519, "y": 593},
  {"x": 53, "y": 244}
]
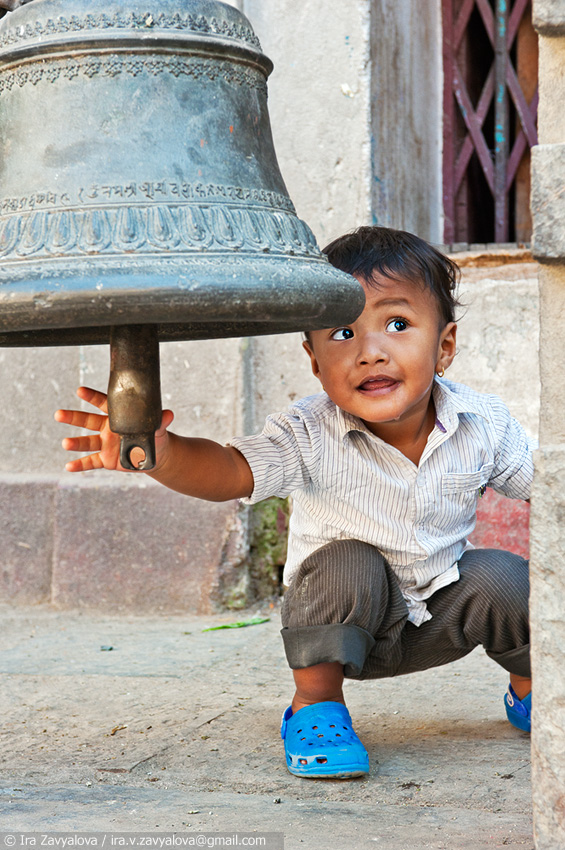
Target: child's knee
[
  {"x": 500, "y": 577},
  {"x": 495, "y": 598},
  {"x": 340, "y": 583}
]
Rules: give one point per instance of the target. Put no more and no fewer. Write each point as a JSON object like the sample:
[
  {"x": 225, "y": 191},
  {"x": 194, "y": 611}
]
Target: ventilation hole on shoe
[
  {"x": 314, "y": 727},
  {"x": 298, "y": 731},
  {"x": 303, "y": 739},
  {"x": 321, "y": 760},
  {"x": 320, "y": 735},
  {"x": 332, "y": 725},
  {"x": 302, "y": 761}
]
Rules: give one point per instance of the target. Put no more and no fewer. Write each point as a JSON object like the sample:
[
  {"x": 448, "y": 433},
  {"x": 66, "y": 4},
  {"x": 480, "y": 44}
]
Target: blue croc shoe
[
  {"x": 319, "y": 743},
  {"x": 518, "y": 711}
]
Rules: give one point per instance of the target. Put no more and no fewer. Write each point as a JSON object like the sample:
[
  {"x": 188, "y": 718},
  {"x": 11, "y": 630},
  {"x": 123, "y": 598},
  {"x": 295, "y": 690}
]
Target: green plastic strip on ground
[{"x": 254, "y": 621}]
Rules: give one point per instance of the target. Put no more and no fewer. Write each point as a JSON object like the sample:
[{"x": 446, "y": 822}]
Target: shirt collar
[
  {"x": 448, "y": 405},
  {"x": 346, "y": 423}
]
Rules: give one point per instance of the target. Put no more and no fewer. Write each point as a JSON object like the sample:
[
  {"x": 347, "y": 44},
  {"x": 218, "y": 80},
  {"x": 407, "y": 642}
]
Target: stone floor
[{"x": 151, "y": 724}]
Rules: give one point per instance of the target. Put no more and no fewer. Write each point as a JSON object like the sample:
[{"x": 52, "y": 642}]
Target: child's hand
[{"x": 104, "y": 446}]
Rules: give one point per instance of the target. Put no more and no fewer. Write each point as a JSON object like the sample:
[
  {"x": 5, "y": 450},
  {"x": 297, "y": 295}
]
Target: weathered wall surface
[
  {"x": 319, "y": 104},
  {"x": 498, "y": 330}
]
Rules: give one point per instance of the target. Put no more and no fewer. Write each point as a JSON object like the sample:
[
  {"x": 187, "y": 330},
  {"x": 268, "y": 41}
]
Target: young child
[{"x": 385, "y": 468}]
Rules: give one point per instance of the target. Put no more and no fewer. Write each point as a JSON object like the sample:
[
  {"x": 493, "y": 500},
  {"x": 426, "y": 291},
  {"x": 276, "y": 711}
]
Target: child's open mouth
[{"x": 376, "y": 385}]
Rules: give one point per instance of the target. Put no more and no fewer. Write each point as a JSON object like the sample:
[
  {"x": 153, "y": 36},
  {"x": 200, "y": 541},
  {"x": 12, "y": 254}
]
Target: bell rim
[
  {"x": 166, "y": 332},
  {"x": 281, "y": 294}
]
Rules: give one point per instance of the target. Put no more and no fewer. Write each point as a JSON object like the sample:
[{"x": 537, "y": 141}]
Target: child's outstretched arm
[{"x": 195, "y": 467}]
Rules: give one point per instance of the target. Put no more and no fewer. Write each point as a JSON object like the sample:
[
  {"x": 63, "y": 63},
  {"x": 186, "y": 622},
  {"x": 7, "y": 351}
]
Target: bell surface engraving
[{"x": 44, "y": 233}]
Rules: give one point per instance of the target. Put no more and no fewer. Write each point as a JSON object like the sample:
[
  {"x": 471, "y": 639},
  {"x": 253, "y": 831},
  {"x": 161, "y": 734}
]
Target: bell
[{"x": 140, "y": 196}]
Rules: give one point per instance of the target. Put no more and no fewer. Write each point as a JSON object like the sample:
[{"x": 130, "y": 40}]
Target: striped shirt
[{"x": 347, "y": 483}]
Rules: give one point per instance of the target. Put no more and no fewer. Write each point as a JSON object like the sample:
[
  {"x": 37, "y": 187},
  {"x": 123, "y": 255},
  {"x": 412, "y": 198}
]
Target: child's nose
[{"x": 372, "y": 349}]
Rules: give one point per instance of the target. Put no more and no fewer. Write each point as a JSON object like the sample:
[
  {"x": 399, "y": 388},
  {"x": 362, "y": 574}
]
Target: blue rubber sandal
[
  {"x": 518, "y": 711},
  {"x": 319, "y": 743}
]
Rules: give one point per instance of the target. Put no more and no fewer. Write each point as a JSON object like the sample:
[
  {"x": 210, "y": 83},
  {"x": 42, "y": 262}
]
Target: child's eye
[
  {"x": 342, "y": 333},
  {"x": 396, "y": 325}
]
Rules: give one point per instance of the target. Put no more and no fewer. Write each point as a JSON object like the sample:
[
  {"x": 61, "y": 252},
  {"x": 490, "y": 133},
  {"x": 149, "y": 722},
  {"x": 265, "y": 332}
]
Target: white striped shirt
[{"x": 347, "y": 483}]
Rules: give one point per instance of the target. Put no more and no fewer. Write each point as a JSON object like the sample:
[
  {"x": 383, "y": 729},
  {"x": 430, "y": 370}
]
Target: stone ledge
[
  {"x": 140, "y": 548},
  {"x": 134, "y": 547},
  {"x": 492, "y": 256},
  {"x": 26, "y": 539}
]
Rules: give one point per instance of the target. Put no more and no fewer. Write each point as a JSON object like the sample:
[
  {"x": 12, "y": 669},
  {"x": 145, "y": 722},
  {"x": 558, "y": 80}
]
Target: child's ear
[
  {"x": 307, "y": 346},
  {"x": 447, "y": 348}
]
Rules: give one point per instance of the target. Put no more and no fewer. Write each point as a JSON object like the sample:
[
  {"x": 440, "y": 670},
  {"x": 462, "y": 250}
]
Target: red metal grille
[{"x": 490, "y": 111}]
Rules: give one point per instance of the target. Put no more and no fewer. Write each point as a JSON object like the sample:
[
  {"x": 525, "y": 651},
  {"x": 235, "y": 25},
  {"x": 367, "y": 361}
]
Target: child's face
[{"x": 381, "y": 368}]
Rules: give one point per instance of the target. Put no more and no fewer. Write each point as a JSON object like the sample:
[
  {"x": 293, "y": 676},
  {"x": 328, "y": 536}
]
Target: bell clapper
[{"x": 134, "y": 392}]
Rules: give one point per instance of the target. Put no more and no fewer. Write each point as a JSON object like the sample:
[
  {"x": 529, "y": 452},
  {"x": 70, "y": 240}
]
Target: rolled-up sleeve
[{"x": 282, "y": 457}]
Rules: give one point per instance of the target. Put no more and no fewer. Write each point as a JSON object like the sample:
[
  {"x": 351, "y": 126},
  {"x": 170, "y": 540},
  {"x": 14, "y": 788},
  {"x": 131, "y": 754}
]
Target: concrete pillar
[{"x": 548, "y": 498}]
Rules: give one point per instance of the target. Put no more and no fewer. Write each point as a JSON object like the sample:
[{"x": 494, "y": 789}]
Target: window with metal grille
[{"x": 490, "y": 63}]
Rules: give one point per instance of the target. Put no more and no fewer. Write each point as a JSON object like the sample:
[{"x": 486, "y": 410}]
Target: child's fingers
[
  {"x": 95, "y": 397},
  {"x": 81, "y": 419},
  {"x": 83, "y": 464},
  {"x": 90, "y": 443}
]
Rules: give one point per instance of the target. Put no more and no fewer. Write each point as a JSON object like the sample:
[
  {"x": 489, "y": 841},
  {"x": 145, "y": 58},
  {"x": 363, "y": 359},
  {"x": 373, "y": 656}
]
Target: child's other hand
[{"x": 104, "y": 445}]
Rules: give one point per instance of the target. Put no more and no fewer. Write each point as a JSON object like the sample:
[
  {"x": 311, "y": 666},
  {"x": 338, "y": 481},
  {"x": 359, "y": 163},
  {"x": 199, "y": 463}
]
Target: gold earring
[{"x": 441, "y": 372}]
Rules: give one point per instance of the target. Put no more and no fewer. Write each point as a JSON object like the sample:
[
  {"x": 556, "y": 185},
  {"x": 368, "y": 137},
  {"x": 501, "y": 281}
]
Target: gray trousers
[{"x": 345, "y": 605}]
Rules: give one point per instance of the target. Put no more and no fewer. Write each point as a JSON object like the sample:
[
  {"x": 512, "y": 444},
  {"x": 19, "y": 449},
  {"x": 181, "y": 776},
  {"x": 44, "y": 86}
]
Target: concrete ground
[{"x": 150, "y": 724}]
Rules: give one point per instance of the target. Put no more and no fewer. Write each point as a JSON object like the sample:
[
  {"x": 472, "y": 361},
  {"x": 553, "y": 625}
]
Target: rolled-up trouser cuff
[
  {"x": 515, "y": 661},
  {"x": 306, "y": 646}
]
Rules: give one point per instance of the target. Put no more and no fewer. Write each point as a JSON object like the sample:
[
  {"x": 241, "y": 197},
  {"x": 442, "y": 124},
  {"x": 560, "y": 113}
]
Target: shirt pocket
[{"x": 460, "y": 492}]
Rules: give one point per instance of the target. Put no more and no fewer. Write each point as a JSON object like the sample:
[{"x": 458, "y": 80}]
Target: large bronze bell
[{"x": 140, "y": 196}]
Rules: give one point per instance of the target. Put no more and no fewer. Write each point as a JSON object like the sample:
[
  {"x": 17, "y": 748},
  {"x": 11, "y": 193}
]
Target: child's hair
[{"x": 398, "y": 254}]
